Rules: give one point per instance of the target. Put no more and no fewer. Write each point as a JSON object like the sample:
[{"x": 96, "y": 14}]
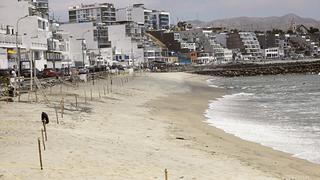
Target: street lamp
[{"x": 18, "y": 48}]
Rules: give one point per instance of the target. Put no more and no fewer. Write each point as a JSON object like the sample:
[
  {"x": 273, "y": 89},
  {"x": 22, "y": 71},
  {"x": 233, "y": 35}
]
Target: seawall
[{"x": 260, "y": 69}]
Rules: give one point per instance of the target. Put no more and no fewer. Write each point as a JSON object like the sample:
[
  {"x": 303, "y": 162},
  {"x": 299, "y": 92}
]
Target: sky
[{"x": 207, "y": 10}]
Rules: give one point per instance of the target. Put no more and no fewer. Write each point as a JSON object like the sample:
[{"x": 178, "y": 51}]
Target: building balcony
[{"x": 9, "y": 40}]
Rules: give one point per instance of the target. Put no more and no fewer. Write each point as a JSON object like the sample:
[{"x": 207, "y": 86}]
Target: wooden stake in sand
[
  {"x": 85, "y": 96},
  {"x": 62, "y": 107},
  {"x": 57, "y": 116},
  {"x": 91, "y": 95},
  {"x": 166, "y": 174},
  {"x": 99, "y": 93},
  {"x": 28, "y": 96},
  {"x": 45, "y": 131},
  {"x": 76, "y": 96},
  {"x": 36, "y": 95},
  {"x": 43, "y": 143},
  {"x": 40, "y": 155}
]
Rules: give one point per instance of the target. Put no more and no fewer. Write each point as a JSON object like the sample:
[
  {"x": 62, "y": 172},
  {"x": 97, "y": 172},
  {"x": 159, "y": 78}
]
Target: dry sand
[{"x": 152, "y": 123}]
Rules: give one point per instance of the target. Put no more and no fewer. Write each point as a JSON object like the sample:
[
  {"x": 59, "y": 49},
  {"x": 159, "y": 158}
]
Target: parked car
[
  {"x": 50, "y": 73},
  {"x": 83, "y": 71},
  {"x": 26, "y": 73},
  {"x": 5, "y": 72}
]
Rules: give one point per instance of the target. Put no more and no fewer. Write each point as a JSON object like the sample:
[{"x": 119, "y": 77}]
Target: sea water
[{"x": 282, "y": 112}]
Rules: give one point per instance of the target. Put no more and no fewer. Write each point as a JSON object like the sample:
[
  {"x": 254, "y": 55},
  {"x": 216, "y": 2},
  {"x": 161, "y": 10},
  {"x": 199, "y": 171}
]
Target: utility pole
[
  {"x": 17, "y": 46},
  {"x": 82, "y": 45}
]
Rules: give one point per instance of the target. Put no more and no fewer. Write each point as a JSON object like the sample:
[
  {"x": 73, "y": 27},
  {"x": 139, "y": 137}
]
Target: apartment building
[
  {"x": 98, "y": 12},
  {"x": 8, "y": 46},
  {"x": 150, "y": 19},
  {"x": 160, "y": 19},
  {"x": 33, "y": 30},
  {"x": 82, "y": 42},
  {"x": 135, "y": 13},
  {"x": 127, "y": 43},
  {"x": 247, "y": 43}
]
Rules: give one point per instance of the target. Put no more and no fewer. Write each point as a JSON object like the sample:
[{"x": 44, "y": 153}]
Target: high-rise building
[
  {"x": 160, "y": 19},
  {"x": 135, "y": 13},
  {"x": 99, "y": 13},
  {"x": 150, "y": 19}
]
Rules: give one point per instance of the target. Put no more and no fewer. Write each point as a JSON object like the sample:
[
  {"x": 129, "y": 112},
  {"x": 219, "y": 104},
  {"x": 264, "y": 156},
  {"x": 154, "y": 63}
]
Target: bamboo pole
[
  {"x": 76, "y": 96},
  {"x": 91, "y": 95},
  {"x": 57, "y": 116},
  {"x": 166, "y": 174},
  {"x": 40, "y": 154},
  {"x": 62, "y": 107},
  {"x": 36, "y": 96},
  {"x": 28, "y": 96},
  {"x": 43, "y": 142},
  {"x": 85, "y": 96},
  {"x": 45, "y": 131}
]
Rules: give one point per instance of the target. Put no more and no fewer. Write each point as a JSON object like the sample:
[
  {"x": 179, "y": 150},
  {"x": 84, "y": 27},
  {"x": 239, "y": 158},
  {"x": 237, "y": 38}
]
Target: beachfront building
[
  {"x": 127, "y": 43},
  {"x": 205, "y": 58},
  {"x": 246, "y": 42},
  {"x": 155, "y": 51},
  {"x": 273, "y": 53},
  {"x": 33, "y": 30},
  {"x": 205, "y": 40},
  {"x": 84, "y": 48},
  {"x": 8, "y": 46},
  {"x": 99, "y": 12}
]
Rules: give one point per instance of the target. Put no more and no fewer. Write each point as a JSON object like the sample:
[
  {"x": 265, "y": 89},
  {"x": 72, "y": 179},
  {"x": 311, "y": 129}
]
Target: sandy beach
[{"x": 151, "y": 123}]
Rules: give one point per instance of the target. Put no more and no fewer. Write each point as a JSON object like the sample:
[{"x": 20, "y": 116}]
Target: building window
[{"x": 36, "y": 55}]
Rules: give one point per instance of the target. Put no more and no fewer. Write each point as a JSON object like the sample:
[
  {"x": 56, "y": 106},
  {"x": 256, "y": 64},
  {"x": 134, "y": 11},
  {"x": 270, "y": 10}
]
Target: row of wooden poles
[
  {"x": 111, "y": 81},
  {"x": 41, "y": 141}
]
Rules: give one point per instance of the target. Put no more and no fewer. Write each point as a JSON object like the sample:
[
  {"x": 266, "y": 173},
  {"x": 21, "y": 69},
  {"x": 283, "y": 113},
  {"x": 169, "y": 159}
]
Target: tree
[{"x": 313, "y": 30}]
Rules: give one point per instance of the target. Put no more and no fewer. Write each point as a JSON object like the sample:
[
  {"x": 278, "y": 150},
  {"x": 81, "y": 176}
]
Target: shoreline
[
  {"x": 152, "y": 123},
  {"x": 269, "y": 135},
  {"x": 279, "y": 164}
]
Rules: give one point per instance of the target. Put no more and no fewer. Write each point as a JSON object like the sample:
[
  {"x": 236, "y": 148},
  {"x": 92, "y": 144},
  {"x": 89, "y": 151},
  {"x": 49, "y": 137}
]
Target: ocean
[{"x": 282, "y": 112}]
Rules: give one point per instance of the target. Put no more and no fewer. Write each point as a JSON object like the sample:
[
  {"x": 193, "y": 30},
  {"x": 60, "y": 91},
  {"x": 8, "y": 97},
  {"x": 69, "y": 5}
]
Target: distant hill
[{"x": 259, "y": 23}]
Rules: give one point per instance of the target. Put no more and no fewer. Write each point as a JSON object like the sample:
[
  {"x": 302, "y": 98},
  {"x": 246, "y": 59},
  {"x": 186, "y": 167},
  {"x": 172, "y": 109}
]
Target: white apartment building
[
  {"x": 99, "y": 13},
  {"x": 227, "y": 55},
  {"x": 206, "y": 58},
  {"x": 190, "y": 46},
  {"x": 135, "y": 13},
  {"x": 273, "y": 53},
  {"x": 8, "y": 47},
  {"x": 33, "y": 28},
  {"x": 61, "y": 46},
  {"x": 160, "y": 19},
  {"x": 150, "y": 19},
  {"x": 126, "y": 41},
  {"x": 82, "y": 42}
]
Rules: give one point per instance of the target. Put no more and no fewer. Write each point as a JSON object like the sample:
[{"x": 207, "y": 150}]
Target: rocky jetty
[{"x": 260, "y": 69}]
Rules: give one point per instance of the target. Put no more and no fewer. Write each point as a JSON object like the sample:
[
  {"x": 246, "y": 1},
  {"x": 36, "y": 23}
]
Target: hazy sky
[{"x": 208, "y": 9}]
